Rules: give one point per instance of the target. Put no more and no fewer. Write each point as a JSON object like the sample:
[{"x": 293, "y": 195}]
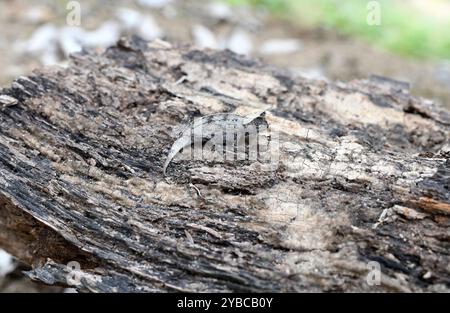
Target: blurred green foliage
[
  {"x": 404, "y": 28},
  {"x": 272, "y": 5}
]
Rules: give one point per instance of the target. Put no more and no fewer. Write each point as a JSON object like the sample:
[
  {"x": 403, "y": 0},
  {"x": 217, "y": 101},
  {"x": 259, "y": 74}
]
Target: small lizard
[{"x": 207, "y": 126}]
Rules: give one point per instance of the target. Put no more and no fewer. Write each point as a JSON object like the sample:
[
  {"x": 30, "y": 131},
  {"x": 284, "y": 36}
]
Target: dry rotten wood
[{"x": 363, "y": 175}]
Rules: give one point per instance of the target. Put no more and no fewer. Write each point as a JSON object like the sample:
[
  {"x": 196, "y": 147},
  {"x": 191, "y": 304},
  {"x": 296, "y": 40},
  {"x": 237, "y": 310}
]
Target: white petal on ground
[
  {"x": 70, "y": 39},
  {"x": 148, "y": 29},
  {"x": 220, "y": 10},
  {"x": 129, "y": 18},
  {"x": 204, "y": 38},
  {"x": 47, "y": 39},
  {"x": 154, "y": 3},
  {"x": 240, "y": 42},
  {"x": 6, "y": 263},
  {"x": 42, "y": 38},
  {"x": 107, "y": 34},
  {"x": 281, "y": 46},
  {"x": 144, "y": 25},
  {"x": 50, "y": 57}
]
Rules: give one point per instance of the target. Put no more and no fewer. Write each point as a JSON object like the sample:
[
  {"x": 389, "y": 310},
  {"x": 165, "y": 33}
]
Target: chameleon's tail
[
  {"x": 166, "y": 163},
  {"x": 170, "y": 156}
]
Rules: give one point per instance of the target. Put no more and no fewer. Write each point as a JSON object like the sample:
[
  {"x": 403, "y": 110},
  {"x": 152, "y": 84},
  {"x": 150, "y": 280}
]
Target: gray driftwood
[{"x": 363, "y": 176}]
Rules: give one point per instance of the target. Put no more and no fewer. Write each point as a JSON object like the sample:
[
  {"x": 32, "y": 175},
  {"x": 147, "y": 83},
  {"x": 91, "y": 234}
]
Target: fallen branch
[{"x": 82, "y": 150}]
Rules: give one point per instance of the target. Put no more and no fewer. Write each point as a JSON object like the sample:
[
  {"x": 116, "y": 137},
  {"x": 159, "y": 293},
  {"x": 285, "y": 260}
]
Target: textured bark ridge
[{"x": 363, "y": 175}]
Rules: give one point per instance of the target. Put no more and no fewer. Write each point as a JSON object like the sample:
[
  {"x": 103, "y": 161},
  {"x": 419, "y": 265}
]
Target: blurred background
[{"x": 408, "y": 40}]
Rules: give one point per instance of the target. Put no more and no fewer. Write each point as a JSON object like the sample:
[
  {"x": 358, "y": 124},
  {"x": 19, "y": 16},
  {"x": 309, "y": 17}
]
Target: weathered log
[{"x": 363, "y": 175}]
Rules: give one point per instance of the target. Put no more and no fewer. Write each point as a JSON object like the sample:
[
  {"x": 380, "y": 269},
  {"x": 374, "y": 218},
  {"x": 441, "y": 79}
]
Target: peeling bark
[{"x": 363, "y": 175}]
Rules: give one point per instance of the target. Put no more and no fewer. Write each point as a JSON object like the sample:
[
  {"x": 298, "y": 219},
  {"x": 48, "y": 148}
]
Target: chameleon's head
[{"x": 257, "y": 119}]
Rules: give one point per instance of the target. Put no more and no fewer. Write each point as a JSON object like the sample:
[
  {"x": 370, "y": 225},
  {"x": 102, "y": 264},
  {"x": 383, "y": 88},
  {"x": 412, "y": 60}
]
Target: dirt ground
[
  {"x": 36, "y": 33},
  {"x": 323, "y": 53}
]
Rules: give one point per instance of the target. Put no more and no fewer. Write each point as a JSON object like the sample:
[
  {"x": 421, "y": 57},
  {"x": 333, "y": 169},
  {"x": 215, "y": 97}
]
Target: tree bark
[{"x": 363, "y": 176}]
